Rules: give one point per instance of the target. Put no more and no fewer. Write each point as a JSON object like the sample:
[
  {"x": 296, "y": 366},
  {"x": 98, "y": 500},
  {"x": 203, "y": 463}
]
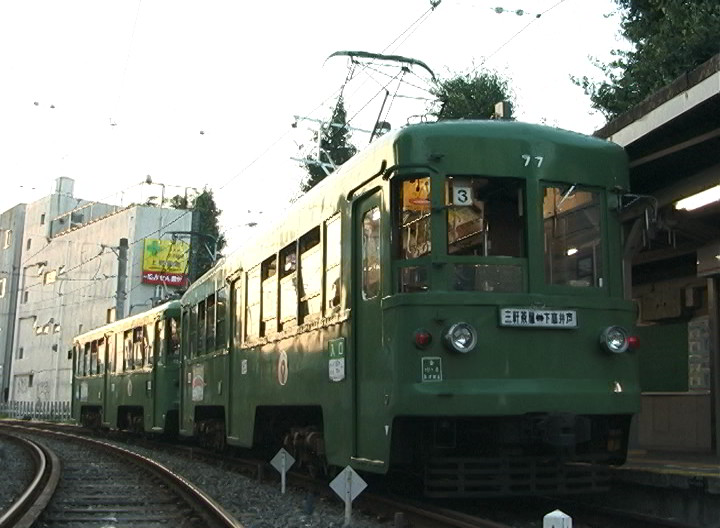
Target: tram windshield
[
  {"x": 573, "y": 236},
  {"x": 484, "y": 219},
  {"x": 484, "y": 244}
]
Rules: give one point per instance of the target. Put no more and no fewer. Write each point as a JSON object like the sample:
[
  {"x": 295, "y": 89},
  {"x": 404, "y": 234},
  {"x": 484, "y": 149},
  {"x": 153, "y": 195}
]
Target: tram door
[{"x": 370, "y": 365}]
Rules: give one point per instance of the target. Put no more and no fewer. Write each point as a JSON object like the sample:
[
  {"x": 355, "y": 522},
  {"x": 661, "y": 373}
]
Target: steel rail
[
  {"x": 212, "y": 513},
  {"x": 32, "y": 502}
]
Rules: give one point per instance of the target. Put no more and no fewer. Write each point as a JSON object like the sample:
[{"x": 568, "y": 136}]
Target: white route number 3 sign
[{"x": 462, "y": 194}]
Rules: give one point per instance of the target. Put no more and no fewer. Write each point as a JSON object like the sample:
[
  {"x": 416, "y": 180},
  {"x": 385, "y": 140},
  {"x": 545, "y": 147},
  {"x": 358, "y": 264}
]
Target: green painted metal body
[
  {"x": 149, "y": 392},
  {"x": 358, "y": 365}
]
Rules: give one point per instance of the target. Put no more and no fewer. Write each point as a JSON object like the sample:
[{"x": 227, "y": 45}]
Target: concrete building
[
  {"x": 72, "y": 270},
  {"x": 12, "y": 223}
]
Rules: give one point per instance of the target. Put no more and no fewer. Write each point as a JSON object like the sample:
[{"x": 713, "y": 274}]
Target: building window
[
  {"x": 50, "y": 277},
  {"x": 42, "y": 219},
  {"x": 29, "y": 242},
  {"x": 20, "y": 353},
  {"x": 30, "y": 379},
  {"x": 110, "y": 315},
  {"x": 8, "y": 238},
  {"x": 3, "y": 281},
  {"x": 26, "y": 294}
]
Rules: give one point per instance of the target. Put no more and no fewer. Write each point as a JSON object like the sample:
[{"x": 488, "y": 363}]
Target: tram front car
[{"x": 513, "y": 366}]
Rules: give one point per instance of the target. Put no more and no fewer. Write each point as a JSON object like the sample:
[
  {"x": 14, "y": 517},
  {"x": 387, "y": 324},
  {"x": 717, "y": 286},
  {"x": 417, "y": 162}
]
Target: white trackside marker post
[
  {"x": 282, "y": 461},
  {"x": 348, "y": 498},
  {"x": 557, "y": 519},
  {"x": 348, "y": 485}
]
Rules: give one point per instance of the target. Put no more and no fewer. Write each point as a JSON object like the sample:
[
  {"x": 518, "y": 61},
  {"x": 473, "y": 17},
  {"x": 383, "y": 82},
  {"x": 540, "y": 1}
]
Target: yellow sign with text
[{"x": 165, "y": 262}]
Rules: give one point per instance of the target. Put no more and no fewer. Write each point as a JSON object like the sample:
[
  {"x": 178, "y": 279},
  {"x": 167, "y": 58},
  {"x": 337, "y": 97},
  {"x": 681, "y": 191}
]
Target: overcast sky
[{"x": 201, "y": 94}]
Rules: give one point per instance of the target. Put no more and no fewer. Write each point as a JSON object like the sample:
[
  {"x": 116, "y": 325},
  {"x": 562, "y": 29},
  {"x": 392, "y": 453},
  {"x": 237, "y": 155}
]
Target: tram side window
[
  {"x": 173, "y": 345},
  {"x": 193, "y": 332},
  {"x": 161, "y": 351},
  {"x": 138, "y": 347},
  {"x": 237, "y": 314},
  {"x": 333, "y": 260},
  {"x": 112, "y": 360},
  {"x": 149, "y": 344},
  {"x": 210, "y": 324},
  {"x": 93, "y": 358},
  {"x": 117, "y": 343},
  {"x": 220, "y": 317},
  {"x": 201, "y": 324},
  {"x": 101, "y": 356},
  {"x": 311, "y": 279},
  {"x": 77, "y": 356},
  {"x": 128, "y": 350},
  {"x": 371, "y": 253},
  {"x": 288, "y": 287},
  {"x": 269, "y": 297},
  {"x": 86, "y": 360},
  {"x": 411, "y": 203},
  {"x": 412, "y": 199},
  {"x": 573, "y": 236},
  {"x": 185, "y": 331},
  {"x": 252, "y": 307}
]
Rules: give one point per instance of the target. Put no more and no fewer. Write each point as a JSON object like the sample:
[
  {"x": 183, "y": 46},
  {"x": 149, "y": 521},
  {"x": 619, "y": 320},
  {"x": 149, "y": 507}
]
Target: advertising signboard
[{"x": 165, "y": 262}]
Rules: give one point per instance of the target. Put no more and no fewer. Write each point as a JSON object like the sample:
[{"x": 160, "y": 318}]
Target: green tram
[
  {"x": 126, "y": 373},
  {"x": 447, "y": 305}
]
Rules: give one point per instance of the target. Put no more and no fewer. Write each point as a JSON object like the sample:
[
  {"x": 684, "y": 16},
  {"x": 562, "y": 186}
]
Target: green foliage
[
  {"x": 179, "y": 202},
  {"x": 205, "y": 221},
  {"x": 470, "y": 96},
  {"x": 669, "y": 37},
  {"x": 335, "y": 148},
  {"x": 206, "y": 235}
]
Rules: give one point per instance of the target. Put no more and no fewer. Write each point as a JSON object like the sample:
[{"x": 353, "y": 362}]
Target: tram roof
[{"x": 128, "y": 322}]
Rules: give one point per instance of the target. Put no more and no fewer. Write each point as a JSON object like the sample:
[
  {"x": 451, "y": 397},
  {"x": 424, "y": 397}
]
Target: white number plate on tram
[{"x": 538, "y": 318}]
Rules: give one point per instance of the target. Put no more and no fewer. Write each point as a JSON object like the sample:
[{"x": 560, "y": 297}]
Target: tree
[
  {"x": 669, "y": 37},
  {"x": 179, "y": 202},
  {"x": 470, "y": 96},
  {"x": 205, "y": 221},
  {"x": 206, "y": 236},
  {"x": 334, "y": 149}
]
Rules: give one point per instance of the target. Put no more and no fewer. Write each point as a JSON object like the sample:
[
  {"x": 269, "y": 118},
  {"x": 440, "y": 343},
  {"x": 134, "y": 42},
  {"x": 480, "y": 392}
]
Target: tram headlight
[
  {"x": 461, "y": 337},
  {"x": 614, "y": 339}
]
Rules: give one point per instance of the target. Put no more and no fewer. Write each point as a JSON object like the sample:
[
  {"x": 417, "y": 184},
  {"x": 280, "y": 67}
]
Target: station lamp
[{"x": 700, "y": 199}]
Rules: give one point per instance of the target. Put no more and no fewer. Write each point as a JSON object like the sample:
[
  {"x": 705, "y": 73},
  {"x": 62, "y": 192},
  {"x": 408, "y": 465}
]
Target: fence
[{"x": 52, "y": 411}]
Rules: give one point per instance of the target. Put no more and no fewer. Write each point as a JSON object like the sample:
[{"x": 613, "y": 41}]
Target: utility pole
[{"x": 120, "y": 294}]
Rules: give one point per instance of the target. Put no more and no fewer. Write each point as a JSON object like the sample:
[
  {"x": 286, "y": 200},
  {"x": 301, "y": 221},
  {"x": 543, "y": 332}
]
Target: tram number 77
[{"x": 528, "y": 158}]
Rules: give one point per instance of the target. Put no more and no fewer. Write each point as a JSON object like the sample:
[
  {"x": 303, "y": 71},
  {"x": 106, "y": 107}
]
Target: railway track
[
  {"x": 400, "y": 512},
  {"x": 33, "y": 500},
  {"x": 101, "y": 484}
]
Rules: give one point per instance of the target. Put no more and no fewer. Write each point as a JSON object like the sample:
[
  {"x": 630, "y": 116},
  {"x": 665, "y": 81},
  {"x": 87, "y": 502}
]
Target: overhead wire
[
  {"x": 407, "y": 33},
  {"x": 420, "y": 20},
  {"x": 127, "y": 59},
  {"x": 532, "y": 21}
]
